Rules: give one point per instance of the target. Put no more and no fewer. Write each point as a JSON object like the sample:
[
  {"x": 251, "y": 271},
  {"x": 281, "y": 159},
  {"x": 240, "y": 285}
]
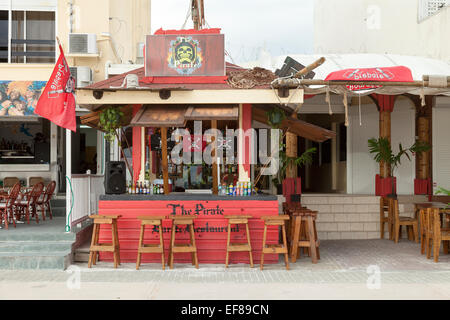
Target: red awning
[{"x": 386, "y": 74}]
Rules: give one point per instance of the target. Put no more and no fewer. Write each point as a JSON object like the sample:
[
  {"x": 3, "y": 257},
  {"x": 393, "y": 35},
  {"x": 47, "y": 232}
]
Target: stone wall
[{"x": 352, "y": 216}]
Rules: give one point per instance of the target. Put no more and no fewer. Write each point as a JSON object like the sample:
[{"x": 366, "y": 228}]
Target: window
[
  {"x": 29, "y": 143},
  {"x": 32, "y": 36},
  {"x": 4, "y": 36}
]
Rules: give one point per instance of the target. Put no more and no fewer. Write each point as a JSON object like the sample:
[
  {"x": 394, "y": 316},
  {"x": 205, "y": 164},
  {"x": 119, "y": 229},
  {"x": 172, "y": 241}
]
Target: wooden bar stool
[
  {"x": 238, "y": 247},
  {"x": 187, "y": 221},
  {"x": 275, "y": 248},
  {"x": 151, "y": 248},
  {"x": 309, "y": 240},
  {"x": 97, "y": 247}
]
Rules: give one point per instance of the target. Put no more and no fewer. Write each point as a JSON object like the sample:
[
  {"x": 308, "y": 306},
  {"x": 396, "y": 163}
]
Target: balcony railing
[{"x": 429, "y": 7}]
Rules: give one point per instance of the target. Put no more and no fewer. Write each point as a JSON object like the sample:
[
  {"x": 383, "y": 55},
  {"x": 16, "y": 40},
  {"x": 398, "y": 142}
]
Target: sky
[{"x": 250, "y": 26}]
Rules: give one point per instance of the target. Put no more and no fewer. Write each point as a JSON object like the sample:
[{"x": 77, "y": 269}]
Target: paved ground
[{"x": 367, "y": 269}]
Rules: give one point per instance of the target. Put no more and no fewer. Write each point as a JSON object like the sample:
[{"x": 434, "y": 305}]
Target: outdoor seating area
[
  {"x": 430, "y": 225},
  {"x": 18, "y": 204}
]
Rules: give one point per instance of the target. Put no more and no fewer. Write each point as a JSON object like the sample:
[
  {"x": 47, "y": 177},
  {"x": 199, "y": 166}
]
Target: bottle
[
  {"x": 151, "y": 188},
  {"x": 133, "y": 188},
  {"x": 220, "y": 190},
  {"x": 162, "y": 190}
]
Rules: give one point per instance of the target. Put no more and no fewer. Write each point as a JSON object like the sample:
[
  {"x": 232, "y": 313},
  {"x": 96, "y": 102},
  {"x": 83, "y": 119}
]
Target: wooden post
[
  {"x": 385, "y": 132},
  {"x": 423, "y": 158},
  {"x": 165, "y": 164},
  {"x": 214, "y": 164},
  {"x": 334, "y": 157},
  {"x": 291, "y": 152}
]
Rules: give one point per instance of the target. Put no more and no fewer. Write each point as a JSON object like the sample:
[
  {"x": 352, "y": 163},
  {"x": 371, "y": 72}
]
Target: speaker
[{"x": 115, "y": 178}]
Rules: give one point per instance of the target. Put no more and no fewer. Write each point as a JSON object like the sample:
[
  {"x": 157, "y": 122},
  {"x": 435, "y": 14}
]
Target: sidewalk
[{"x": 347, "y": 270}]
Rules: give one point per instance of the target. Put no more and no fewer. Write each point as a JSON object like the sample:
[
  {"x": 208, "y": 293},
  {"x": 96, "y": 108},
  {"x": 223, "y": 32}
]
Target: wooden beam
[
  {"x": 298, "y": 127},
  {"x": 214, "y": 164},
  {"x": 86, "y": 99},
  {"x": 165, "y": 163}
]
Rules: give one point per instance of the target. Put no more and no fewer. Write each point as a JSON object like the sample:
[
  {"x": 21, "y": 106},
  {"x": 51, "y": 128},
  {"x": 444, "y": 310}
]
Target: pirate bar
[{"x": 186, "y": 86}]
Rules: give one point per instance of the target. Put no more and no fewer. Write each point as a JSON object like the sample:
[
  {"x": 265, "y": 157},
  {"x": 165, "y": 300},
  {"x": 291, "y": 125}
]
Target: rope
[
  {"x": 422, "y": 94},
  {"x": 360, "y": 120},
  {"x": 346, "y": 109},
  {"x": 328, "y": 99},
  {"x": 71, "y": 206}
]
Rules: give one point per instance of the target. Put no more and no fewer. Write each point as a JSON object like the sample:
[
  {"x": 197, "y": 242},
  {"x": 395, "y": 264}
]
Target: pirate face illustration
[
  {"x": 185, "y": 53},
  {"x": 70, "y": 86}
]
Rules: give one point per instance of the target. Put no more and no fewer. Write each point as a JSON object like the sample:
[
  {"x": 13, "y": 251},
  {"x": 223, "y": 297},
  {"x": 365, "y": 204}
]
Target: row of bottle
[
  {"x": 144, "y": 188},
  {"x": 11, "y": 145},
  {"x": 240, "y": 189}
]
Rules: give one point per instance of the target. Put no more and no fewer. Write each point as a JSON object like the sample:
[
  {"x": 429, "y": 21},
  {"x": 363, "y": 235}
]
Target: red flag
[{"x": 57, "y": 102}]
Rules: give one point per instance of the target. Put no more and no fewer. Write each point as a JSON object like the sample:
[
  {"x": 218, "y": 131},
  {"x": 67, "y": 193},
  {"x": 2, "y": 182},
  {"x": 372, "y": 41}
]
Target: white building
[{"x": 406, "y": 27}]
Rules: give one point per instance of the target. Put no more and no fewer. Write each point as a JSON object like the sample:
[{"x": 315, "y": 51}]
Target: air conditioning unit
[
  {"x": 84, "y": 43},
  {"x": 83, "y": 76}
]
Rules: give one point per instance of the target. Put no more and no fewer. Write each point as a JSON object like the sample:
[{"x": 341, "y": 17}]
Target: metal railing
[{"x": 86, "y": 193}]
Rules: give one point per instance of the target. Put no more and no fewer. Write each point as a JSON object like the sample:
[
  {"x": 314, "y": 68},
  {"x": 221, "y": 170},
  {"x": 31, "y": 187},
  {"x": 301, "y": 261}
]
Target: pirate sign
[{"x": 185, "y": 55}]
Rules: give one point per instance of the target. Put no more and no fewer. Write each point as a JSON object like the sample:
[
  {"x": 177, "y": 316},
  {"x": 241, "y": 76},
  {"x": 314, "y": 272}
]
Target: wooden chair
[
  {"x": 187, "y": 221},
  {"x": 43, "y": 203},
  {"x": 10, "y": 182},
  {"x": 35, "y": 180},
  {"x": 288, "y": 209},
  {"x": 309, "y": 239},
  {"x": 275, "y": 248},
  {"x": 97, "y": 247},
  {"x": 385, "y": 217},
  {"x": 238, "y": 247},
  {"x": 411, "y": 224},
  {"x": 151, "y": 248},
  {"x": 436, "y": 234},
  {"x": 7, "y": 208},
  {"x": 27, "y": 205}
]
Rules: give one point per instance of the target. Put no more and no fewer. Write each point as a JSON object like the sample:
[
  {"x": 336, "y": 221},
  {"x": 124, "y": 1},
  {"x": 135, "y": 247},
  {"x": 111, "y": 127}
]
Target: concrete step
[
  {"x": 81, "y": 254},
  {"x": 36, "y": 246},
  {"x": 10, "y": 235},
  {"x": 24, "y": 260},
  {"x": 58, "y": 203}
]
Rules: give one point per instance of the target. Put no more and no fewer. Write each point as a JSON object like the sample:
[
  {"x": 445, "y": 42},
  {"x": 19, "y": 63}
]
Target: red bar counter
[{"x": 210, "y": 227}]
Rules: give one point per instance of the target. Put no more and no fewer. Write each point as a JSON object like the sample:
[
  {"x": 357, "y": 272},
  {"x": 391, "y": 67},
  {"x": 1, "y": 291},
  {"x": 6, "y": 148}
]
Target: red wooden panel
[
  {"x": 204, "y": 256},
  {"x": 210, "y": 228},
  {"x": 185, "y": 55}
]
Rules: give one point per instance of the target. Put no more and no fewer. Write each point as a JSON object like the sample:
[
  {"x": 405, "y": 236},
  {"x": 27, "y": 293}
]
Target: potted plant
[
  {"x": 275, "y": 118},
  {"x": 382, "y": 152},
  {"x": 110, "y": 121}
]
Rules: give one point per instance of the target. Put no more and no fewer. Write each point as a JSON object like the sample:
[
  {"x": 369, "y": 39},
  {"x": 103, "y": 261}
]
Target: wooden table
[{"x": 444, "y": 209}]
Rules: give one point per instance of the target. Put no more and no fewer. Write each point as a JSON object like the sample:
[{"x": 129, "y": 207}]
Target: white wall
[
  {"x": 441, "y": 143},
  {"x": 360, "y": 164},
  {"x": 361, "y": 168},
  {"x": 403, "y": 131}
]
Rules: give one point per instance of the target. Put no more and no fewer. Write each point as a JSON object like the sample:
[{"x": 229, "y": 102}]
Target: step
[
  {"x": 57, "y": 212},
  {"x": 81, "y": 254},
  {"x": 35, "y": 246},
  {"x": 31, "y": 261},
  {"x": 58, "y": 203}
]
